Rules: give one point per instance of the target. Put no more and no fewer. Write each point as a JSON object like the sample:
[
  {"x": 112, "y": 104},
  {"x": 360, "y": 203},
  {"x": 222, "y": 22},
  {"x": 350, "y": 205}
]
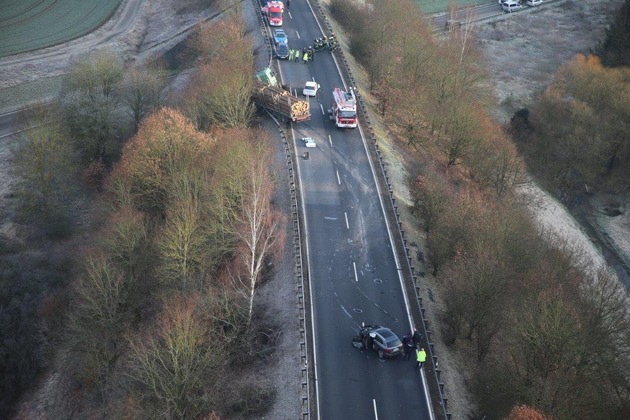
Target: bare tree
[
  {"x": 140, "y": 91},
  {"x": 45, "y": 162},
  {"x": 97, "y": 318},
  {"x": 221, "y": 90},
  {"x": 182, "y": 245},
  {"x": 258, "y": 228},
  {"x": 90, "y": 104},
  {"x": 497, "y": 165},
  {"x": 126, "y": 240},
  {"x": 96, "y": 74},
  {"x": 176, "y": 366},
  {"x": 166, "y": 161},
  {"x": 481, "y": 282},
  {"x": 430, "y": 199}
]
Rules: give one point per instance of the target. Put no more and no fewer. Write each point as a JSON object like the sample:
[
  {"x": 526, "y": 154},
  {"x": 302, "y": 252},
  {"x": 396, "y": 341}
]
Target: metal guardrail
[
  {"x": 392, "y": 210},
  {"x": 305, "y": 389}
]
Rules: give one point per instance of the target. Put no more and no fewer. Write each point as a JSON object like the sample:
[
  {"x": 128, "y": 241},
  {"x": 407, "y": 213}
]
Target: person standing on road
[
  {"x": 417, "y": 337},
  {"x": 291, "y": 54},
  {"x": 408, "y": 346},
  {"x": 305, "y": 57},
  {"x": 421, "y": 357}
]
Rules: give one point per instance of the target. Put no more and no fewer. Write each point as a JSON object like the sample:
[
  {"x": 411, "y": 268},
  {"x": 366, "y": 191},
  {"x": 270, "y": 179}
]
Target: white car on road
[
  {"x": 310, "y": 88},
  {"x": 511, "y": 6},
  {"x": 309, "y": 142}
]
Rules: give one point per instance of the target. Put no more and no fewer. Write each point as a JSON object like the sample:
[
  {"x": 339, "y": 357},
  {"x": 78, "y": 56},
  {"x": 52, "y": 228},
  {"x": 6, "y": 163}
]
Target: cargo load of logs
[{"x": 281, "y": 101}]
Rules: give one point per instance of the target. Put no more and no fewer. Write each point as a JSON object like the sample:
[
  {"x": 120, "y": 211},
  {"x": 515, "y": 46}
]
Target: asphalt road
[{"x": 353, "y": 272}]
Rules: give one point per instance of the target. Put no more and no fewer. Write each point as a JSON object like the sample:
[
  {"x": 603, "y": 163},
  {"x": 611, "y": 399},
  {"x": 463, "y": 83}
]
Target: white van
[{"x": 510, "y": 6}]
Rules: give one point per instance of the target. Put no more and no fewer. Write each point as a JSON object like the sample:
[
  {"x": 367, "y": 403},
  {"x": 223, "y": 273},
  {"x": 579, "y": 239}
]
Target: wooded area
[
  {"x": 543, "y": 335},
  {"x": 171, "y": 230},
  {"x": 163, "y": 226}
]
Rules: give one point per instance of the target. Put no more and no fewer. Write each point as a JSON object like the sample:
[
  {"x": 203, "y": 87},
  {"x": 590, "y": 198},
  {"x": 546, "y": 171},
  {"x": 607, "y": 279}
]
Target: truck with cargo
[{"x": 269, "y": 95}]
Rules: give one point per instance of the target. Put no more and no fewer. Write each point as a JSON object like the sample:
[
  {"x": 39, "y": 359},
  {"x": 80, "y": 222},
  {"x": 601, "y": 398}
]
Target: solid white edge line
[
  {"x": 391, "y": 240},
  {"x": 398, "y": 268},
  {"x": 375, "y": 411},
  {"x": 310, "y": 287},
  {"x": 356, "y": 277},
  {"x": 347, "y": 224}
]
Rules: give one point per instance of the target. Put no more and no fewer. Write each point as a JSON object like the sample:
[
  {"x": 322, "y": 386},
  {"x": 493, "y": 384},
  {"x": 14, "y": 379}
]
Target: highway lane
[{"x": 353, "y": 272}]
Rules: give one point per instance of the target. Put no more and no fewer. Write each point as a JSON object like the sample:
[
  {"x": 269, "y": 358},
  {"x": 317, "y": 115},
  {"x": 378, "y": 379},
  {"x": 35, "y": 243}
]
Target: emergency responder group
[
  {"x": 411, "y": 342},
  {"x": 306, "y": 55}
]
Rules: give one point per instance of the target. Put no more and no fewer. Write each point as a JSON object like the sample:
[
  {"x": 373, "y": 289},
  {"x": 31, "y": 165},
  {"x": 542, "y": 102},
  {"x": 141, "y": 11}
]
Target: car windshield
[
  {"x": 347, "y": 114},
  {"x": 275, "y": 14}
]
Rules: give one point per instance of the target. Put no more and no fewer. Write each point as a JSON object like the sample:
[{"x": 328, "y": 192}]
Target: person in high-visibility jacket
[{"x": 421, "y": 357}]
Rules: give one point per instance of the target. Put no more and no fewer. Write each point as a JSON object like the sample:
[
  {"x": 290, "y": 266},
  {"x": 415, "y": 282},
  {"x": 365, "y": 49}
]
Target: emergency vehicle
[
  {"x": 274, "y": 10},
  {"x": 344, "y": 108}
]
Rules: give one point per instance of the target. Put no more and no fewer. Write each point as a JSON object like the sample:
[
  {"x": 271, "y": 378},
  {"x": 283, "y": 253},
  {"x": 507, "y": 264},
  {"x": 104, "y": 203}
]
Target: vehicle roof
[{"x": 384, "y": 332}]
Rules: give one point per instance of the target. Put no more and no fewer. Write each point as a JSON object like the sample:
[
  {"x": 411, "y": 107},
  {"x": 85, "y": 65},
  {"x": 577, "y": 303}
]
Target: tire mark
[
  {"x": 80, "y": 31},
  {"x": 31, "y": 7},
  {"x": 32, "y": 17}
]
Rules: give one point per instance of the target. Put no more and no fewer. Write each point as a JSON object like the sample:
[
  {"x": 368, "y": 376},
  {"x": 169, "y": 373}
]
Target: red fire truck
[
  {"x": 273, "y": 10},
  {"x": 344, "y": 108}
]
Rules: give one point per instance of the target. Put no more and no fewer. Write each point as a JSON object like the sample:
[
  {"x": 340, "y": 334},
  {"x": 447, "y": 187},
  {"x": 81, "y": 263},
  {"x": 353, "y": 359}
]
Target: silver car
[{"x": 380, "y": 339}]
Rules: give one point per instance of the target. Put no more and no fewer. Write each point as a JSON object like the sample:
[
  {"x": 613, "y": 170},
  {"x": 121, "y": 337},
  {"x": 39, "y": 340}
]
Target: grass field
[
  {"x": 27, "y": 25},
  {"x": 429, "y": 7}
]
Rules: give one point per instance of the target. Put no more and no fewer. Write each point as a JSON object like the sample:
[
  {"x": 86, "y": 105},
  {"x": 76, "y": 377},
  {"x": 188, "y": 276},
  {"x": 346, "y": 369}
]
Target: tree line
[
  {"x": 543, "y": 334},
  {"x": 157, "y": 316},
  {"x": 576, "y": 134}
]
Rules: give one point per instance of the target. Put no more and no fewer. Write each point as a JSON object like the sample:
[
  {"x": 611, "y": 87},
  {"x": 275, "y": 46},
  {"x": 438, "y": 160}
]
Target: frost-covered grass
[
  {"x": 17, "y": 96},
  {"x": 27, "y": 25},
  {"x": 435, "y": 6}
]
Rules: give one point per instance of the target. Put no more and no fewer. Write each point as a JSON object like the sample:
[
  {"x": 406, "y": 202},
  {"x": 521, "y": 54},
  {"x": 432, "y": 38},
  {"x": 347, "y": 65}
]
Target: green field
[
  {"x": 429, "y": 7},
  {"x": 27, "y": 25}
]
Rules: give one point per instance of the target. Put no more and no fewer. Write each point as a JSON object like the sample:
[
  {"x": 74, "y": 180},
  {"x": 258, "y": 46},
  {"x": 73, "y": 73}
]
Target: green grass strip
[{"x": 429, "y": 7}]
